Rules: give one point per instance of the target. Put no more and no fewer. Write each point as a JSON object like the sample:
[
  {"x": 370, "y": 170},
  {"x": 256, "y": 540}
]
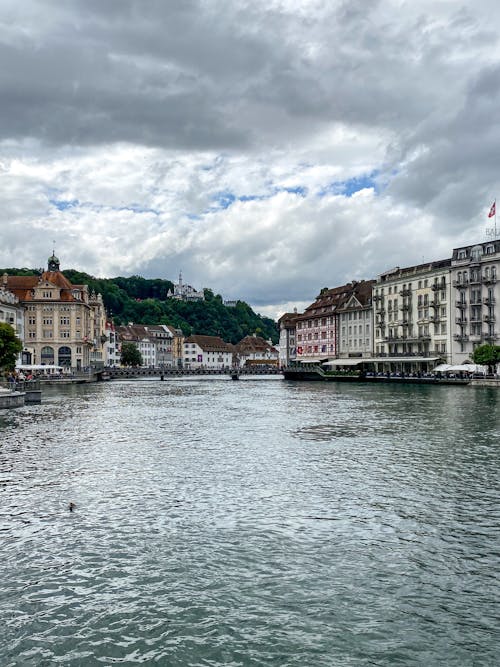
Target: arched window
[
  {"x": 47, "y": 355},
  {"x": 64, "y": 356}
]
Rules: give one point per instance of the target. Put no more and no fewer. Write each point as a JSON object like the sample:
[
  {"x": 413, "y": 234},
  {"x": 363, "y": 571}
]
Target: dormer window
[
  {"x": 462, "y": 254},
  {"x": 76, "y": 294}
]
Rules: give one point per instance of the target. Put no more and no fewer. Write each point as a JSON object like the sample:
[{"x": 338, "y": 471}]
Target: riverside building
[
  {"x": 476, "y": 295},
  {"x": 63, "y": 324},
  {"x": 412, "y": 309},
  {"x": 287, "y": 347},
  {"x": 319, "y": 327},
  {"x": 11, "y": 312},
  {"x": 207, "y": 352}
]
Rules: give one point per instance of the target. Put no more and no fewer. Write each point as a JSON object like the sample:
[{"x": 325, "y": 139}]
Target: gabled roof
[
  {"x": 210, "y": 343},
  {"x": 22, "y": 286},
  {"x": 253, "y": 344},
  {"x": 330, "y": 301}
]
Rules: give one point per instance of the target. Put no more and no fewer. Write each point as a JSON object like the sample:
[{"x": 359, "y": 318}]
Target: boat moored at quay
[{"x": 363, "y": 370}]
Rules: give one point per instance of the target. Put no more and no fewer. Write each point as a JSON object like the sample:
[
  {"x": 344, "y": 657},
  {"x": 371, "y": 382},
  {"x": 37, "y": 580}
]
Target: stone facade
[
  {"x": 475, "y": 297},
  {"x": 62, "y": 323},
  {"x": 412, "y": 312}
]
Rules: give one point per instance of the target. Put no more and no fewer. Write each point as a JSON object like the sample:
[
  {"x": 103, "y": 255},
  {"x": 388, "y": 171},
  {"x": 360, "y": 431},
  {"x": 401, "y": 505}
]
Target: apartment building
[
  {"x": 476, "y": 295},
  {"x": 287, "y": 346},
  {"x": 12, "y": 312},
  {"x": 412, "y": 310},
  {"x": 356, "y": 321},
  {"x": 318, "y": 328},
  {"x": 207, "y": 352}
]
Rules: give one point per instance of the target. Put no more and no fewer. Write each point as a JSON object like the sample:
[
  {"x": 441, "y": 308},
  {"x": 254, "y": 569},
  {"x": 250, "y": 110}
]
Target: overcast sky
[{"x": 266, "y": 149}]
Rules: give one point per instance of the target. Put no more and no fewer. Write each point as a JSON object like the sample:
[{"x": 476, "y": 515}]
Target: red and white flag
[{"x": 492, "y": 210}]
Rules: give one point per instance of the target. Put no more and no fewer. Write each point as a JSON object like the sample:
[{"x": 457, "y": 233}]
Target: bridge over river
[{"x": 115, "y": 373}]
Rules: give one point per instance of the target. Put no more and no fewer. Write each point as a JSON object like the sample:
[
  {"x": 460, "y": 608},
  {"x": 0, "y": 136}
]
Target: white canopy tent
[{"x": 460, "y": 368}]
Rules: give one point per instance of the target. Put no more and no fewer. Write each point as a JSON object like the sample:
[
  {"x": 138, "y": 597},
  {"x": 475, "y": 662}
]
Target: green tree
[
  {"x": 10, "y": 346},
  {"x": 487, "y": 355},
  {"x": 130, "y": 355}
]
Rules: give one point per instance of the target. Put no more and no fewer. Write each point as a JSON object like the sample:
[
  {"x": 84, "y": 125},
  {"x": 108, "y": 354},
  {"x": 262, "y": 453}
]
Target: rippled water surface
[{"x": 257, "y": 522}]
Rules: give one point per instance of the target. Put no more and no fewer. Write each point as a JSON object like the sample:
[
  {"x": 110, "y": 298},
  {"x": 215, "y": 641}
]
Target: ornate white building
[
  {"x": 475, "y": 271},
  {"x": 184, "y": 292},
  {"x": 63, "y": 324},
  {"x": 412, "y": 315}
]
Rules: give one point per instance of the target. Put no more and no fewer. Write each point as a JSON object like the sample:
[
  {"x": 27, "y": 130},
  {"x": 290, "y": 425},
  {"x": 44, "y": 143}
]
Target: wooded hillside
[{"x": 144, "y": 301}]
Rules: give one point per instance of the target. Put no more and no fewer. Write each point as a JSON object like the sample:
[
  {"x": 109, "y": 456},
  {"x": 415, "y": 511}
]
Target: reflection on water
[{"x": 252, "y": 523}]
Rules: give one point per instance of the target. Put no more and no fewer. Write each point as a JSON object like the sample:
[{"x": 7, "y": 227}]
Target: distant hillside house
[
  {"x": 184, "y": 292},
  {"x": 207, "y": 352},
  {"x": 254, "y": 351}
]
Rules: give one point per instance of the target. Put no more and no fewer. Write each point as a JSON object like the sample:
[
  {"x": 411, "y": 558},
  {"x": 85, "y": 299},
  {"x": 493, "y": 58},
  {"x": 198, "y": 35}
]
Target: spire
[{"x": 53, "y": 263}]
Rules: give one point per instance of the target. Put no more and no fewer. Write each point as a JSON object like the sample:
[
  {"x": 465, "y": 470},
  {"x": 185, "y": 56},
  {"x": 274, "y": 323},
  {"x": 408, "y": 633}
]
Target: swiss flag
[{"x": 492, "y": 210}]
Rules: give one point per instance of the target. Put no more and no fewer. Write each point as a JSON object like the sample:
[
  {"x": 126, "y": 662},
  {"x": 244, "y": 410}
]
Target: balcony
[
  {"x": 435, "y": 319},
  {"x": 491, "y": 336},
  {"x": 461, "y": 321},
  {"x": 489, "y": 280},
  {"x": 475, "y": 280},
  {"x": 380, "y": 311},
  {"x": 460, "y": 304},
  {"x": 377, "y": 297},
  {"x": 434, "y": 303},
  {"x": 461, "y": 337},
  {"x": 405, "y": 292},
  {"x": 489, "y": 318},
  {"x": 489, "y": 301},
  {"x": 475, "y": 319},
  {"x": 438, "y": 286},
  {"x": 460, "y": 283},
  {"x": 424, "y": 337}
]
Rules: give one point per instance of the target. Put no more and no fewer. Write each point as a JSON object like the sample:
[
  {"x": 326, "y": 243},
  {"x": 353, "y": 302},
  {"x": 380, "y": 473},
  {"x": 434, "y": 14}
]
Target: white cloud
[{"x": 152, "y": 137}]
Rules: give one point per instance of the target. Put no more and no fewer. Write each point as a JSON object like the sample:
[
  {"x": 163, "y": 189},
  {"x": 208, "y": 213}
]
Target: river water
[{"x": 257, "y": 522}]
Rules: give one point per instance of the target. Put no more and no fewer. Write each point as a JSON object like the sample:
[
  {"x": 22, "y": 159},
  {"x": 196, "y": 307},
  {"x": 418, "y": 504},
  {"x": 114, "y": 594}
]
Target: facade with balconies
[
  {"x": 12, "y": 312},
  {"x": 412, "y": 314},
  {"x": 475, "y": 270}
]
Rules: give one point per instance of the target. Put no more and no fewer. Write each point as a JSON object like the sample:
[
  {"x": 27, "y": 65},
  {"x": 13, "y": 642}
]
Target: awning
[
  {"x": 312, "y": 360},
  {"x": 345, "y": 362},
  {"x": 371, "y": 360}
]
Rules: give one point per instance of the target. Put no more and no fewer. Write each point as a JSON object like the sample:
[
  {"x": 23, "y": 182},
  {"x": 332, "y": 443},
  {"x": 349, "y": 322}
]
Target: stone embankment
[{"x": 17, "y": 394}]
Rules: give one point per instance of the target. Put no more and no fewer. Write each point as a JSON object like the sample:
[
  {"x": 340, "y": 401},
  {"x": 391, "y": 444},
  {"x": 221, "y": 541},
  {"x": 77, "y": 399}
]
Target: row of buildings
[
  {"x": 406, "y": 319},
  {"x": 63, "y": 324}
]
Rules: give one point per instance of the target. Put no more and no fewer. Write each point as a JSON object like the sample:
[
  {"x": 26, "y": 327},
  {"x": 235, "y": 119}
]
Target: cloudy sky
[{"x": 265, "y": 148}]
